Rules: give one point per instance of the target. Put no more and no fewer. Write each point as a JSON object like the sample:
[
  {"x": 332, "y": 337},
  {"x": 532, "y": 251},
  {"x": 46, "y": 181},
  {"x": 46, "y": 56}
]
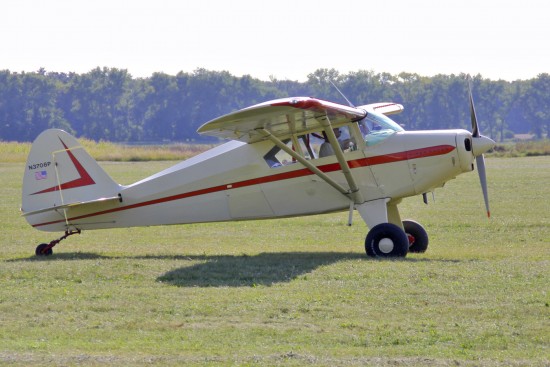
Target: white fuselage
[{"x": 234, "y": 182}]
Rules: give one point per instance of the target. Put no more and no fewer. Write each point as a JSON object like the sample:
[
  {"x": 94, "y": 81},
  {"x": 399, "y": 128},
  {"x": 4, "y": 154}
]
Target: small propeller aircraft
[{"x": 285, "y": 158}]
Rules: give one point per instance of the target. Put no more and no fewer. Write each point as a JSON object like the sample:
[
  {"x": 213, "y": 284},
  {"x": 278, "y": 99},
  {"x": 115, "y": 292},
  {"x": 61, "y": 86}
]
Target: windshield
[{"x": 376, "y": 127}]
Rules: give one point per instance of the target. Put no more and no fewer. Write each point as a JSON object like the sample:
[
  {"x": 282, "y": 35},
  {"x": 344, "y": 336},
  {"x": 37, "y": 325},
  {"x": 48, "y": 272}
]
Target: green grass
[
  {"x": 531, "y": 148},
  {"x": 288, "y": 292},
  {"x": 14, "y": 152}
]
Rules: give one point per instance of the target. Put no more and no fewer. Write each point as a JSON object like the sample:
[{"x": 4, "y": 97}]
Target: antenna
[{"x": 342, "y": 94}]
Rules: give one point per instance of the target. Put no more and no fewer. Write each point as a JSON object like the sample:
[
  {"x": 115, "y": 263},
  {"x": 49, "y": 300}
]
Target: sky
[{"x": 282, "y": 39}]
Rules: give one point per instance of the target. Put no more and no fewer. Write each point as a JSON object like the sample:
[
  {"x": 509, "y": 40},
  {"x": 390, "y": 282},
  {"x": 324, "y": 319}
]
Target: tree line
[{"x": 109, "y": 104}]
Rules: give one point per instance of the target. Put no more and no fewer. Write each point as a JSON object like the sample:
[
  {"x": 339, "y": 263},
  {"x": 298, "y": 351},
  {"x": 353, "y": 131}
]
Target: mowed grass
[
  {"x": 15, "y": 152},
  {"x": 288, "y": 292}
]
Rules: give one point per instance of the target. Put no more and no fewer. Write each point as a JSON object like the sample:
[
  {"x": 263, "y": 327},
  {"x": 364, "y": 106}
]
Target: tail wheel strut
[{"x": 45, "y": 249}]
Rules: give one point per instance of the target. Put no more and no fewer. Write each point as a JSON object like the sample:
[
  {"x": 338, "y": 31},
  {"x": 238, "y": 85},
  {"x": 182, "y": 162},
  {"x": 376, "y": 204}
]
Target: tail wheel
[
  {"x": 43, "y": 250},
  {"x": 386, "y": 240},
  {"x": 417, "y": 235}
]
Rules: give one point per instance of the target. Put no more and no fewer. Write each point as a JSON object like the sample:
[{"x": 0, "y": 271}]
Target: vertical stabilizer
[{"x": 60, "y": 172}]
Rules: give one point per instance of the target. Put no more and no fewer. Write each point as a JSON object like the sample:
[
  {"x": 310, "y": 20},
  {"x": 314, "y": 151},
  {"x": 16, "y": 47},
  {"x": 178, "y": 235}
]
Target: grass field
[
  {"x": 288, "y": 292},
  {"x": 14, "y": 152}
]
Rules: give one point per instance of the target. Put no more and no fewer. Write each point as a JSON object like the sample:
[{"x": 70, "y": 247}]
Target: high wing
[{"x": 282, "y": 118}]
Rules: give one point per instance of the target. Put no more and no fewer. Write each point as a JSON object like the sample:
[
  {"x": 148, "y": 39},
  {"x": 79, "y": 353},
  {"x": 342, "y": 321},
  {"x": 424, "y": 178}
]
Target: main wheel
[
  {"x": 418, "y": 237},
  {"x": 41, "y": 250},
  {"x": 386, "y": 240}
]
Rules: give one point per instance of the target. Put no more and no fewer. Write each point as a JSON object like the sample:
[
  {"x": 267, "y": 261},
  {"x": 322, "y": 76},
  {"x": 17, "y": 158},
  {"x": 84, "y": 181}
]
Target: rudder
[{"x": 59, "y": 172}]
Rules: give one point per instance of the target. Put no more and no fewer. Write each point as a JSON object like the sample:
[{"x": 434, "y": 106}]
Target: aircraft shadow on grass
[
  {"x": 226, "y": 270},
  {"x": 233, "y": 270},
  {"x": 263, "y": 269},
  {"x": 247, "y": 271},
  {"x": 63, "y": 256}
]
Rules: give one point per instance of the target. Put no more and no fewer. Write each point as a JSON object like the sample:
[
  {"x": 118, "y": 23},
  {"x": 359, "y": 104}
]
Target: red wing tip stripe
[
  {"x": 331, "y": 167},
  {"x": 318, "y": 105},
  {"x": 385, "y": 105}
]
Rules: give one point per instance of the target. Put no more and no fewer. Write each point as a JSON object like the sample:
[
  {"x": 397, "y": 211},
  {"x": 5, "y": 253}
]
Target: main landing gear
[
  {"x": 45, "y": 249},
  {"x": 417, "y": 235},
  {"x": 389, "y": 240}
]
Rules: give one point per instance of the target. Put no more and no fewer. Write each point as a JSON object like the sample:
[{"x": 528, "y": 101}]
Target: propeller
[{"x": 480, "y": 144}]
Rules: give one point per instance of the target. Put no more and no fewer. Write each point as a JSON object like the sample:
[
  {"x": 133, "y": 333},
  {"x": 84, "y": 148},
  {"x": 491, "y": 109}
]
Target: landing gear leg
[{"x": 45, "y": 249}]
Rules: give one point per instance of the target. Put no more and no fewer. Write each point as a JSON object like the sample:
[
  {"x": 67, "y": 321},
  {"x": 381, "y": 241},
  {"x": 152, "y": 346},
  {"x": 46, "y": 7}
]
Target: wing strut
[
  {"x": 333, "y": 140},
  {"x": 353, "y": 193},
  {"x": 305, "y": 162}
]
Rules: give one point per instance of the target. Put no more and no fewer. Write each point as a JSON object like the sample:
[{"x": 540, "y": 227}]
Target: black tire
[
  {"x": 417, "y": 235},
  {"x": 41, "y": 250},
  {"x": 386, "y": 240}
]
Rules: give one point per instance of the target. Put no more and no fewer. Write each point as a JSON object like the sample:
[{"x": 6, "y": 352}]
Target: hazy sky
[{"x": 287, "y": 39}]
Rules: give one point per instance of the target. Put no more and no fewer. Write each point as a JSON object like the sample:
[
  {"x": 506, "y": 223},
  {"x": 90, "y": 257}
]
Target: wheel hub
[{"x": 386, "y": 245}]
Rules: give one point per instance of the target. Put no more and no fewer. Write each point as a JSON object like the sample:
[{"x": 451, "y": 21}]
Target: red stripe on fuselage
[{"x": 356, "y": 163}]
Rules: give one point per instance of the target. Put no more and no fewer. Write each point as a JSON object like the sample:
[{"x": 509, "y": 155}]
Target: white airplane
[{"x": 274, "y": 166}]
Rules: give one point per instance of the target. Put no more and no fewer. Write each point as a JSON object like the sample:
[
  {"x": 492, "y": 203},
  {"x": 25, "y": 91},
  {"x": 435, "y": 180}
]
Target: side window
[
  {"x": 312, "y": 146},
  {"x": 345, "y": 139},
  {"x": 277, "y": 157},
  {"x": 271, "y": 157}
]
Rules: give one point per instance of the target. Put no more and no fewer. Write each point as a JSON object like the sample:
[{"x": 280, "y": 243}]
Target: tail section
[{"x": 60, "y": 174}]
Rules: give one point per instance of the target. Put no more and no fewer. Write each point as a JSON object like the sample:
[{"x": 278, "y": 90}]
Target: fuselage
[{"x": 235, "y": 181}]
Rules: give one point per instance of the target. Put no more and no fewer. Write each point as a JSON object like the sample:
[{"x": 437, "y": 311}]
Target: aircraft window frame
[
  {"x": 276, "y": 157},
  {"x": 347, "y": 140},
  {"x": 271, "y": 156},
  {"x": 310, "y": 146}
]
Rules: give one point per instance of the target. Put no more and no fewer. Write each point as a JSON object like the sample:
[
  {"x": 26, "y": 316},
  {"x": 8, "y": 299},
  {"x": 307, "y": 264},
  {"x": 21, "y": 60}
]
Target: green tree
[
  {"x": 536, "y": 102},
  {"x": 28, "y": 105},
  {"x": 107, "y": 103},
  {"x": 160, "y": 119}
]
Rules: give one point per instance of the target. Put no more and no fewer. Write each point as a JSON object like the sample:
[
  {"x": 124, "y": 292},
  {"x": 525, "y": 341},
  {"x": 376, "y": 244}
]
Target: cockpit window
[
  {"x": 377, "y": 127},
  {"x": 277, "y": 157},
  {"x": 271, "y": 157},
  {"x": 311, "y": 146}
]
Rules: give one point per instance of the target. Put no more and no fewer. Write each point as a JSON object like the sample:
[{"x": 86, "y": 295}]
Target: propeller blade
[
  {"x": 481, "y": 144},
  {"x": 473, "y": 117},
  {"x": 480, "y": 162}
]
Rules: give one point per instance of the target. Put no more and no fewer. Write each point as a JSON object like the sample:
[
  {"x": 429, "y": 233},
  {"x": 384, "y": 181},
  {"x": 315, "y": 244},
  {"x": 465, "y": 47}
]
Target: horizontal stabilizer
[{"x": 74, "y": 205}]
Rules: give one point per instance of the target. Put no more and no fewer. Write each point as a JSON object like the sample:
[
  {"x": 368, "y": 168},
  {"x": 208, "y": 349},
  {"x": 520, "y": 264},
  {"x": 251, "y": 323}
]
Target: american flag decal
[{"x": 41, "y": 175}]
